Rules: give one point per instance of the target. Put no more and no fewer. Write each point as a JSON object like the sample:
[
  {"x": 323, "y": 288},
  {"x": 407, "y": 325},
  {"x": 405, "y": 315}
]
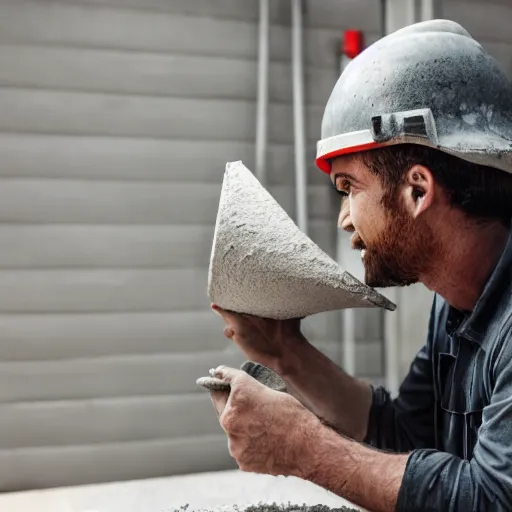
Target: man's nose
[{"x": 344, "y": 220}]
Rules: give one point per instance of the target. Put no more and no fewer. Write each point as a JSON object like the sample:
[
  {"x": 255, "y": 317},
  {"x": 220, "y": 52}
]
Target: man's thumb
[{"x": 226, "y": 373}]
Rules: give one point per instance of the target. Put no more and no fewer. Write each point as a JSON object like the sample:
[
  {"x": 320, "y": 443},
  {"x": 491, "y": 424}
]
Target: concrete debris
[
  {"x": 213, "y": 384},
  {"x": 259, "y": 372},
  {"x": 264, "y": 375},
  {"x": 271, "y": 507}
]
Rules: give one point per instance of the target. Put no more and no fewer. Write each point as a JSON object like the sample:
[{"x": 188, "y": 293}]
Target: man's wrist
[
  {"x": 308, "y": 435},
  {"x": 294, "y": 353},
  {"x": 362, "y": 475}
]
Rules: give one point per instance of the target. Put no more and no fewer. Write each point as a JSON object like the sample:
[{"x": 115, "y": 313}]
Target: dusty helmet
[{"x": 429, "y": 83}]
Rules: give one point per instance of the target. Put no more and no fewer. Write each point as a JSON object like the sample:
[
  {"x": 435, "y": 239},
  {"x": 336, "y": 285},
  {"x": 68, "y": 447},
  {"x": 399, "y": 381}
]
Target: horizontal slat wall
[
  {"x": 117, "y": 119},
  {"x": 186, "y": 76},
  {"x": 29, "y": 110},
  {"x": 86, "y": 202},
  {"x": 64, "y": 246},
  {"x": 319, "y": 13},
  {"x": 65, "y": 423},
  {"x": 62, "y": 336},
  {"x": 116, "y": 376},
  {"x": 112, "y": 376},
  {"x": 488, "y": 22},
  {"x": 118, "y": 159},
  {"x": 40, "y": 467},
  {"x": 84, "y": 25}
]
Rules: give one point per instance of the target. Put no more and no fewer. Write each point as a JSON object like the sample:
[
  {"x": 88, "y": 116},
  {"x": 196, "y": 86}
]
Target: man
[{"x": 417, "y": 138}]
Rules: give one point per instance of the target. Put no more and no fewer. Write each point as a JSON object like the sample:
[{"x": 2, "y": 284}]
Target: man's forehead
[{"x": 348, "y": 165}]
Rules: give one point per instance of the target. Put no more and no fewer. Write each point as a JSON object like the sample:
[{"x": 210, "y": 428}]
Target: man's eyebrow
[{"x": 343, "y": 175}]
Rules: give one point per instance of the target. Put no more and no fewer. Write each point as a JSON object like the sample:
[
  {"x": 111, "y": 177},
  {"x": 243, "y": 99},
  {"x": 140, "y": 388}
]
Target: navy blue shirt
[{"x": 454, "y": 409}]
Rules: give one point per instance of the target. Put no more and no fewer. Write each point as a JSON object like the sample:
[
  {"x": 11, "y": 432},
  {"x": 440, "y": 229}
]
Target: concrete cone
[{"x": 263, "y": 265}]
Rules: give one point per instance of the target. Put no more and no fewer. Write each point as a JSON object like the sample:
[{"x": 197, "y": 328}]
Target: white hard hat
[{"x": 429, "y": 83}]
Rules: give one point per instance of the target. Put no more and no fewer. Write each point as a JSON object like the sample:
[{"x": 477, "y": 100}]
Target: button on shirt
[{"x": 454, "y": 409}]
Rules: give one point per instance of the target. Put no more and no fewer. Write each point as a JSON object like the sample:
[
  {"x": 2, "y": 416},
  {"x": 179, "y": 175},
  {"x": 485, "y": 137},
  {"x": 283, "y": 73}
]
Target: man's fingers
[
  {"x": 220, "y": 398},
  {"x": 219, "y": 401},
  {"x": 231, "y": 319},
  {"x": 227, "y": 374},
  {"x": 228, "y": 316}
]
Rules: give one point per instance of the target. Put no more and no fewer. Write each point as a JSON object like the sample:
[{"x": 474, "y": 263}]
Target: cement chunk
[
  {"x": 262, "y": 264},
  {"x": 264, "y": 375},
  {"x": 257, "y": 371},
  {"x": 213, "y": 384}
]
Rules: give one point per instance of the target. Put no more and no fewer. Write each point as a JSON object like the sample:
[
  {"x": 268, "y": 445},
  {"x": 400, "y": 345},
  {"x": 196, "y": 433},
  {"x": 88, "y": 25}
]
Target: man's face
[{"x": 395, "y": 247}]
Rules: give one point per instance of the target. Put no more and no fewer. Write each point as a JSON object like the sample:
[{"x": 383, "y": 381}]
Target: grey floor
[{"x": 220, "y": 490}]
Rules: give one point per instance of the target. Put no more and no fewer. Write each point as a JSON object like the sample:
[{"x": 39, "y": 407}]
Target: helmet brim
[{"x": 343, "y": 144}]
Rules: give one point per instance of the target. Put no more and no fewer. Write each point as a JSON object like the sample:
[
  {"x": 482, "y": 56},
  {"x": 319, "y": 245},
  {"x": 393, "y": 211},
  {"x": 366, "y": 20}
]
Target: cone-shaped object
[{"x": 262, "y": 264}]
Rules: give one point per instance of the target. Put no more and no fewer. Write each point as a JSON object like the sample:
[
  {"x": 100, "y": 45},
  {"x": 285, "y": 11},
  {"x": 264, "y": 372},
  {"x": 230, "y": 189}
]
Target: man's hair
[{"x": 483, "y": 193}]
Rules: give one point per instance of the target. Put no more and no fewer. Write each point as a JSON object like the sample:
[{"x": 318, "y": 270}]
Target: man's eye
[{"x": 343, "y": 187}]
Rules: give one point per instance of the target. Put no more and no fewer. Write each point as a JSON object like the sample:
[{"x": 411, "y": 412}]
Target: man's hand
[
  {"x": 267, "y": 430},
  {"x": 272, "y": 433},
  {"x": 263, "y": 340},
  {"x": 313, "y": 379}
]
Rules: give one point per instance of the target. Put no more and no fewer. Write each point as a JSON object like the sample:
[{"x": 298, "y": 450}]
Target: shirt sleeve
[
  {"x": 407, "y": 422},
  {"x": 439, "y": 481}
]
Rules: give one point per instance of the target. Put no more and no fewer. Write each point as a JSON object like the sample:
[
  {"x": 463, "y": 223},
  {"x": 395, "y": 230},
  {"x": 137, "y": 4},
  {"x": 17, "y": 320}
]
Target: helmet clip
[{"x": 418, "y": 123}]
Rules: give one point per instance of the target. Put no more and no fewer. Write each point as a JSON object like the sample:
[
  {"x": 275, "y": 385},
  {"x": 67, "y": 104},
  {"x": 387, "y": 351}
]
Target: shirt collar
[{"x": 473, "y": 326}]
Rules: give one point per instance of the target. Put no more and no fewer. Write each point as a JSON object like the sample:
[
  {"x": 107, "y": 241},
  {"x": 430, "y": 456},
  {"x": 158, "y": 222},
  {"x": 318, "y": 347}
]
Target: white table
[{"x": 221, "y": 490}]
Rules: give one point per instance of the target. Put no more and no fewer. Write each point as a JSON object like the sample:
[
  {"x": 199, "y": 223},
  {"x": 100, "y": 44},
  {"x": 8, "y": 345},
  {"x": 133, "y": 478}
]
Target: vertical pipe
[
  {"x": 349, "y": 341},
  {"x": 431, "y": 10},
  {"x": 399, "y": 13},
  {"x": 298, "y": 117},
  {"x": 392, "y": 342},
  {"x": 383, "y": 17},
  {"x": 262, "y": 99},
  {"x": 347, "y": 316}
]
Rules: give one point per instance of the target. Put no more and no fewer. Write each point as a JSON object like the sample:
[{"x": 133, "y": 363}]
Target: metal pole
[
  {"x": 431, "y": 9},
  {"x": 398, "y": 14},
  {"x": 299, "y": 117},
  {"x": 383, "y": 17},
  {"x": 262, "y": 102},
  {"x": 347, "y": 316},
  {"x": 392, "y": 340},
  {"x": 349, "y": 341}
]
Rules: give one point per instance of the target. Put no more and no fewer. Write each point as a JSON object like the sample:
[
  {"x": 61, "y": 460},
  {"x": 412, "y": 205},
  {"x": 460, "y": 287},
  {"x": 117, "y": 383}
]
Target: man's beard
[{"x": 403, "y": 252}]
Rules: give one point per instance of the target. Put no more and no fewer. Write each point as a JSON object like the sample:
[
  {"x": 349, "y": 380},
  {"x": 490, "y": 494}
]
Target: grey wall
[{"x": 117, "y": 119}]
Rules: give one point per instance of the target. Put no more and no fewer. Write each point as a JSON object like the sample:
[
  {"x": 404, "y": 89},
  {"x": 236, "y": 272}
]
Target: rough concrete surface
[
  {"x": 262, "y": 264},
  {"x": 213, "y": 384},
  {"x": 264, "y": 375},
  {"x": 274, "y": 507},
  {"x": 222, "y": 491}
]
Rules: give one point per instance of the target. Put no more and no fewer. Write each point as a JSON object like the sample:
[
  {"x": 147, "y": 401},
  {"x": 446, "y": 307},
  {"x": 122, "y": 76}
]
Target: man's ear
[{"x": 419, "y": 190}]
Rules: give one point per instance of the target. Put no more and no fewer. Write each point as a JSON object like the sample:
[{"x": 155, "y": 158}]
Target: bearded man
[{"x": 417, "y": 138}]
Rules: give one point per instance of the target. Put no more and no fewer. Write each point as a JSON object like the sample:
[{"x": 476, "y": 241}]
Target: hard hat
[{"x": 429, "y": 83}]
